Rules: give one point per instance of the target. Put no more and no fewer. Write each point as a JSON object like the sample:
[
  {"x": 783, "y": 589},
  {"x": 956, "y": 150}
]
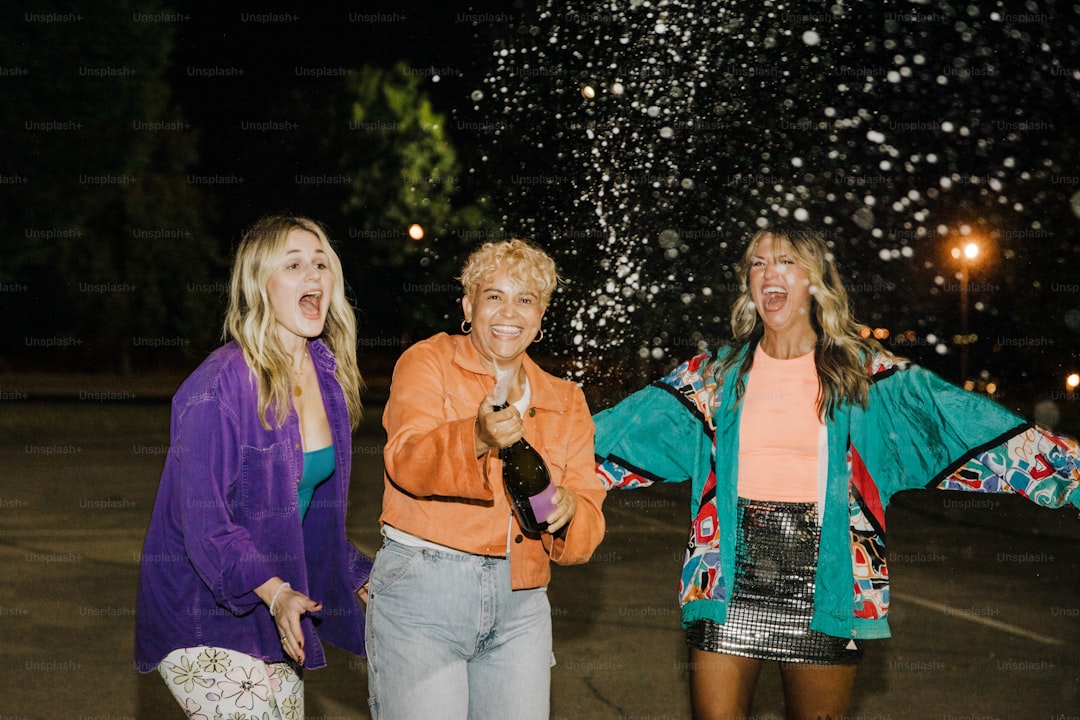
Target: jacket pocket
[{"x": 268, "y": 481}]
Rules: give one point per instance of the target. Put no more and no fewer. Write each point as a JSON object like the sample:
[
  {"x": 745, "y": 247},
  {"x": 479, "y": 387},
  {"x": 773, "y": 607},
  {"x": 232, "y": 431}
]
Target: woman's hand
[
  {"x": 288, "y": 606},
  {"x": 496, "y": 428},
  {"x": 564, "y": 512}
]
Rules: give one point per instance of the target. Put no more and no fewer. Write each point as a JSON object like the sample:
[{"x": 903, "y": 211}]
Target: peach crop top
[{"x": 780, "y": 430}]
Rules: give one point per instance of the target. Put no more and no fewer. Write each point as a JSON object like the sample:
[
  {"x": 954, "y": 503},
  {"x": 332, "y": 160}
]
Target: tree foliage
[
  {"x": 402, "y": 172},
  {"x": 103, "y": 235}
]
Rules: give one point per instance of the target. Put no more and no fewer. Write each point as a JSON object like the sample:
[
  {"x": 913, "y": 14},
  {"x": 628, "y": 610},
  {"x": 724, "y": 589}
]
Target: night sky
[
  {"x": 852, "y": 119},
  {"x": 239, "y": 92}
]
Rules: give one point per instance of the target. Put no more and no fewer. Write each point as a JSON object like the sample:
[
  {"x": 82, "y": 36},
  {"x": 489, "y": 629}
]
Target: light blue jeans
[{"x": 447, "y": 639}]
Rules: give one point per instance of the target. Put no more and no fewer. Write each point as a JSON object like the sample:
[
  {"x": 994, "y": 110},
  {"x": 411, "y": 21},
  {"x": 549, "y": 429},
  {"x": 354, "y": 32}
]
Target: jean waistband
[{"x": 407, "y": 539}]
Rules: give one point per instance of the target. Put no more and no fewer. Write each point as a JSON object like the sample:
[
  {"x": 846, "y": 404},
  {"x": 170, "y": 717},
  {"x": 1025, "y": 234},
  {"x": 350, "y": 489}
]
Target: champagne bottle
[
  {"x": 525, "y": 474},
  {"x": 528, "y": 484}
]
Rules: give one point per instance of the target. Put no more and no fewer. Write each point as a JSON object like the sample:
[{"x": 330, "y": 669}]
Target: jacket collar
[
  {"x": 545, "y": 395},
  {"x": 321, "y": 355}
]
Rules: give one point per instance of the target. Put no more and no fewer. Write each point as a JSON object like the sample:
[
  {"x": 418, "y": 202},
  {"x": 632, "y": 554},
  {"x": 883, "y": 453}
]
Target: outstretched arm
[{"x": 660, "y": 433}]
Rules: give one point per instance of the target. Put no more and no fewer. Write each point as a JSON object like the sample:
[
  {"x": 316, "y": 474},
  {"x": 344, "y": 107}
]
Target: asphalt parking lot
[{"x": 986, "y": 607}]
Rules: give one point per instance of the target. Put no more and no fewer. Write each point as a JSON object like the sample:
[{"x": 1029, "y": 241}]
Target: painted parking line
[{"x": 989, "y": 622}]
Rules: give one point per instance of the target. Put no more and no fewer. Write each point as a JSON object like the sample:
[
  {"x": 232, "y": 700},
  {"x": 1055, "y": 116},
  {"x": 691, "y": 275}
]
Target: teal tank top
[{"x": 318, "y": 466}]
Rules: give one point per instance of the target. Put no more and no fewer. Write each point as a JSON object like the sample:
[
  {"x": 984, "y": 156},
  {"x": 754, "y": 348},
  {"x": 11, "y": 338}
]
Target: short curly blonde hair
[{"x": 523, "y": 262}]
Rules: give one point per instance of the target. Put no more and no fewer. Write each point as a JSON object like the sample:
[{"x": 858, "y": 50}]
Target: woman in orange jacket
[{"x": 459, "y": 623}]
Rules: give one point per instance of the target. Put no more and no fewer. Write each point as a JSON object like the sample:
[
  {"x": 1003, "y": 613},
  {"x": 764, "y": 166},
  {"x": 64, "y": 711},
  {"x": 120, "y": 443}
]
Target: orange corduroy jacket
[{"x": 436, "y": 488}]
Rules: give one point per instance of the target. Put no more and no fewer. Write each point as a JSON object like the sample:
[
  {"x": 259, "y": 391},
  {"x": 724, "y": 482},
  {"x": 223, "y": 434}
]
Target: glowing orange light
[
  {"x": 969, "y": 251},
  {"x": 416, "y": 232}
]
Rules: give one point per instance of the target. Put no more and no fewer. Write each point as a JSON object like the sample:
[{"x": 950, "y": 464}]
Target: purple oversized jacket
[{"x": 227, "y": 519}]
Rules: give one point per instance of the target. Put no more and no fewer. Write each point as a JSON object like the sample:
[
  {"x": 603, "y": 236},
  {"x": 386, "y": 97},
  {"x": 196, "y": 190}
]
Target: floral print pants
[{"x": 212, "y": 683}]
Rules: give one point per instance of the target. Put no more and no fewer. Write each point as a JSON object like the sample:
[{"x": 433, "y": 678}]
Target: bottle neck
[{"x": 522, "y": 403}]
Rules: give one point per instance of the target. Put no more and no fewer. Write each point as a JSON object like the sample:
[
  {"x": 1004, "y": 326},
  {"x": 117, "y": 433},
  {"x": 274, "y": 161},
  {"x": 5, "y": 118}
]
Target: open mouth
[
  {"x": 311, "y": 304},
  {"x": 507, "y": 332},
  {"x": 774, "y": 297}
]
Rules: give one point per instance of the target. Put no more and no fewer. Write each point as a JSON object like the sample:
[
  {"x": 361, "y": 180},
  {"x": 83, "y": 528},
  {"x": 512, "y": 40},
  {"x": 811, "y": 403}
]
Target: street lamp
[{"x": 966, "y": 254}]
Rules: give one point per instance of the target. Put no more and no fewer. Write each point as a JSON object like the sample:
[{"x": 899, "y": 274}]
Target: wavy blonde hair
[
  {"x": 842, "y": 356},
  {"x": 523, "y": 262},
  {"x": 249, "y": 319}
]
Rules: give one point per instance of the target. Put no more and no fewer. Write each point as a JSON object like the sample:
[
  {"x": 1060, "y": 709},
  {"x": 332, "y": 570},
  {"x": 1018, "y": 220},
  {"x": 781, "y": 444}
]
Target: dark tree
[{"x": 102, "y": 232}]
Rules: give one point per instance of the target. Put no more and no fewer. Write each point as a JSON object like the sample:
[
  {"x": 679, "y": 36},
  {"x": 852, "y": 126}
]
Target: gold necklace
[{"x": 297, "y": 390}]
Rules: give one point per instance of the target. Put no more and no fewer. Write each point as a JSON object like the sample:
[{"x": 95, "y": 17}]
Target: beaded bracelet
[{"x": 273, "y": 598}]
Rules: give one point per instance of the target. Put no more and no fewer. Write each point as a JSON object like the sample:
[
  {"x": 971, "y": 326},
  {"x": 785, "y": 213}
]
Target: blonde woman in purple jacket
[{"x": 246, "y": 567}]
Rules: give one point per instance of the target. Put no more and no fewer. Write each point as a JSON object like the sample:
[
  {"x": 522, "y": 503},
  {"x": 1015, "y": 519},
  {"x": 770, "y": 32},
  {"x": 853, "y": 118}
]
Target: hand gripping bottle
[{"x": 525, "y": 475}]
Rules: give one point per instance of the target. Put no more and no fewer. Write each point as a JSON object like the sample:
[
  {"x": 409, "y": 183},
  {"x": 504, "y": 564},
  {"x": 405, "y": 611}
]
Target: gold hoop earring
[
  {"x": 539, "y": 337},
  {"x": 466, "y": 327}
]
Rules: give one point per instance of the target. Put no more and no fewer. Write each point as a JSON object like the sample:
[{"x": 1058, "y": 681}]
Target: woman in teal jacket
[{"x": 791, "y": 476}]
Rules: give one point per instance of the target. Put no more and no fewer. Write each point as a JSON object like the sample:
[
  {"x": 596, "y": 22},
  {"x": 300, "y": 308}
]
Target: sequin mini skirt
[{"x": 768, "y": 616}]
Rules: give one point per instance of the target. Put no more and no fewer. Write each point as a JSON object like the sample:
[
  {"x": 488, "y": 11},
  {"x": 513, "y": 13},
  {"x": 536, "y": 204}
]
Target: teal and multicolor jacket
[{"x": 917, "y": 431}]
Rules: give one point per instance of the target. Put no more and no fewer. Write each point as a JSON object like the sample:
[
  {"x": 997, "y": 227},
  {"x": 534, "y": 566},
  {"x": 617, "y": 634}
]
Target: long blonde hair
[
  {"x": 842, "y": 356},
  {"x": 249, "y": 319}
]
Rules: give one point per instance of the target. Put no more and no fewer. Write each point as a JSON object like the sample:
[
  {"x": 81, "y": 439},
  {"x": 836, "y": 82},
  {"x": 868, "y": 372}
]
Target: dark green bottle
[{"x": 528, "y": 484}]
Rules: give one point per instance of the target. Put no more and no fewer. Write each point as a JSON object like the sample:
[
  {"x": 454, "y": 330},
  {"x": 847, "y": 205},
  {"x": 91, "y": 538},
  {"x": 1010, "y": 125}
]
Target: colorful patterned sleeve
[
  {"x": 615, "y": 476},
  {"x": 1032, "y": 462},
  {"x": 920, "y": 431}
]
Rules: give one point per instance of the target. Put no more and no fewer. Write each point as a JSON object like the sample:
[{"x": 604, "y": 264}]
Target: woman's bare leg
[
  {"x": 722, "y": 686},
  {"x": 817, "y": 692}
]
